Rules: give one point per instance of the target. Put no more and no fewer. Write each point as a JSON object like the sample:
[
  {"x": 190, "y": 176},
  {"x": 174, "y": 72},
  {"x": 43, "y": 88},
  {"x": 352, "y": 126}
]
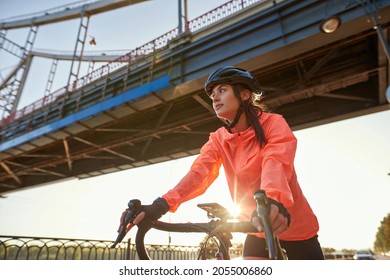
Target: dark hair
[{"x": 252, "y": 108}]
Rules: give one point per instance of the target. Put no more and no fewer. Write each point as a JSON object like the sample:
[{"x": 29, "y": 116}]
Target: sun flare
[{"x": 235, "y": 211}]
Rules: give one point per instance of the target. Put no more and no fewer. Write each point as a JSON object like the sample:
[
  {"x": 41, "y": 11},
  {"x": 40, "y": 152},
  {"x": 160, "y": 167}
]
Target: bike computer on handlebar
[{"x": 214, "y": 210}]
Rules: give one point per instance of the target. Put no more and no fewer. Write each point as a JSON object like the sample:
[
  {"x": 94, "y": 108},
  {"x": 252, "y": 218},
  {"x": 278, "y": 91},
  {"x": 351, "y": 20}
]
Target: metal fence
[{"x": 42, "y": 248}]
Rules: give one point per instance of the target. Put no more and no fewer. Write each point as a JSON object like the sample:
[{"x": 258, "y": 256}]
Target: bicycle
[{"x": 219, "y": 227}]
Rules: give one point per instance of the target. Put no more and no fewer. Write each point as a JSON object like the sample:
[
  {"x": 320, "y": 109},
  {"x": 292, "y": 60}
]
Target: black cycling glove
[
  {"x": 282, "y": 210},
  {"x": 155, "y": 210}
]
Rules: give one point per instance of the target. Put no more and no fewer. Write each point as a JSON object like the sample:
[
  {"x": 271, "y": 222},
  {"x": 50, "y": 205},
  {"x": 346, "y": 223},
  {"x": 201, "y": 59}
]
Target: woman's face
[{"x": 225, "y": 102}]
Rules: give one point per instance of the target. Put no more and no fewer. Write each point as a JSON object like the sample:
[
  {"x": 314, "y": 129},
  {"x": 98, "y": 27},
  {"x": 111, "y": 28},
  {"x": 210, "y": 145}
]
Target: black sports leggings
[{"x": 309, "y": 249}]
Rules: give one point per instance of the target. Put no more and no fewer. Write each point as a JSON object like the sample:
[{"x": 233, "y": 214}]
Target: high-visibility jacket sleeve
[
  {"x": 278, "y": 161},
  {"x": 202, "y": 174}
]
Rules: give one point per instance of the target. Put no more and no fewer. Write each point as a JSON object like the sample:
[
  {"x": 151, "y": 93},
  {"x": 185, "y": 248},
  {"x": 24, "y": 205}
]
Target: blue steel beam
[{"x": 93, "y": 110}]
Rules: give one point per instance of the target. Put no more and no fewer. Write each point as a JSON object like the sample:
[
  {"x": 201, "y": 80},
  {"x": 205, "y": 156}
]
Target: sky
[{"x": 343, "y": 167}]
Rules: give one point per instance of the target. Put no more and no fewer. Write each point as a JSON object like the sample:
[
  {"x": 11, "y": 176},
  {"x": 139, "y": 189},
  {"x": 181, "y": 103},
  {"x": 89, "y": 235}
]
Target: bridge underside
[{"x": 315, "y": 80}]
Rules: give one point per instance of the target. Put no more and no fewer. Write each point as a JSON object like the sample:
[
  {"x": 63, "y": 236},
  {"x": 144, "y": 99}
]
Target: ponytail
[{"x": 254, "y": 122}]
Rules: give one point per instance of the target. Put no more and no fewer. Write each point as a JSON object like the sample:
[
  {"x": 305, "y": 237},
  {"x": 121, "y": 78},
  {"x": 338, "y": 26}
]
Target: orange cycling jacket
[{"x": 248, "y": 167}]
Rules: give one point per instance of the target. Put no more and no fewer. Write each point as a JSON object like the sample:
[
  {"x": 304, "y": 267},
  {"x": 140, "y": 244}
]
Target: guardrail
[
  {"x": 139, "y": 53},
  {"x": 44, "y": 248}
]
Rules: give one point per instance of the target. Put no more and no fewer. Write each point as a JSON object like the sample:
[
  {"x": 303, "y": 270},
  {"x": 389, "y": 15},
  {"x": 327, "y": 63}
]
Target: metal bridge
[{"x": 147, "y": 105}]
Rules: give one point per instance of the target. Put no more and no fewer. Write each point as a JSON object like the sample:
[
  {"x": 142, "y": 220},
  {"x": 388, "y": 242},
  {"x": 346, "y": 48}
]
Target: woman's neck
[{"x": 241, "y": 125}]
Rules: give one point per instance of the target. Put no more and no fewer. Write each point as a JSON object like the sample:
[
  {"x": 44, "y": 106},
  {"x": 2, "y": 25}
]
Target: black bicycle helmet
[{"x": 231, "y": 75}]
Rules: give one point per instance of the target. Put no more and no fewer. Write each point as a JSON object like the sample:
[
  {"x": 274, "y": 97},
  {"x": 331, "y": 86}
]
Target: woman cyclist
[{"x": 257, "y": 150}]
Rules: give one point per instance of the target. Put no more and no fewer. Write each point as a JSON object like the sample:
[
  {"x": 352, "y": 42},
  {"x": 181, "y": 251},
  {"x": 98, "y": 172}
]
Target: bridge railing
[
  {"x": 50, "y": 11},
  {"x": 43, "y": 248},
  {"x": 138, "y": 54}
]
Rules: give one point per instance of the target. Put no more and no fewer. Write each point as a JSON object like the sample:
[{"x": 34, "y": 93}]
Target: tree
[
  {"x": 382, "y": 241},
  {"x": 327, "y": 250}
]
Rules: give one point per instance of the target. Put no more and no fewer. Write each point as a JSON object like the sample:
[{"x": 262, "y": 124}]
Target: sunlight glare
[{"x": 235, "y": 211}]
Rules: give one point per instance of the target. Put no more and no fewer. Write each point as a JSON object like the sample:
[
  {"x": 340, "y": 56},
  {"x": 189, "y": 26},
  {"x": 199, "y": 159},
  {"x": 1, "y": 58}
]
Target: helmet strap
[
  {"x": 240, "y": 110},
  {"x": 232, "y": 124}
]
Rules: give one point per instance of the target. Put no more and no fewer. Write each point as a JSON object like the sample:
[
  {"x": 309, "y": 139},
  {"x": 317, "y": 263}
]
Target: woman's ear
[{"x": 245, "y": 95}]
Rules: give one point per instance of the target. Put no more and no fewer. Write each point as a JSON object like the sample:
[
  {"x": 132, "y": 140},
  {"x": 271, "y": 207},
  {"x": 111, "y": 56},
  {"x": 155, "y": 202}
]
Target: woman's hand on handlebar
[
  {"x": 156, "y": 210},
  {"x": 278, "y": 221},
  {"x": 150, "y": 213}
]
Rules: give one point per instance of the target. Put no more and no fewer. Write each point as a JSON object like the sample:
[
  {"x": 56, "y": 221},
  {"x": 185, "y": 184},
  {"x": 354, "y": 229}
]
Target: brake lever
[
  {"x": 134, "y": 207},
  {"x": 262, "y": 210}
]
